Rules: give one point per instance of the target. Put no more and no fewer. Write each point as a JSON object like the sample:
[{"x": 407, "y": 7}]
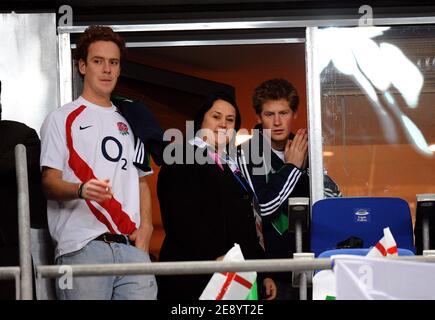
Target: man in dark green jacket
[{"x": 279, "y": 172}]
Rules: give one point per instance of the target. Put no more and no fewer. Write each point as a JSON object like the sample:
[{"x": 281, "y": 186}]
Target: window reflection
[
  {"x": 378, "y": 93},
  {"x": 382, "y": 66},
  {"x": 28, "y": 67}
]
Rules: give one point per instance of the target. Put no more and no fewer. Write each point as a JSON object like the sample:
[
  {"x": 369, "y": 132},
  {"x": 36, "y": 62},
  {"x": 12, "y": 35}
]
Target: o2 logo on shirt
[{"x": 112, "y": 150}]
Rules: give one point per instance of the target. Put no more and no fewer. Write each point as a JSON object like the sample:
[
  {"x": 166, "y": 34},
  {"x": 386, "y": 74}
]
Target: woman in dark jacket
[{"x": 206, "y": 208}]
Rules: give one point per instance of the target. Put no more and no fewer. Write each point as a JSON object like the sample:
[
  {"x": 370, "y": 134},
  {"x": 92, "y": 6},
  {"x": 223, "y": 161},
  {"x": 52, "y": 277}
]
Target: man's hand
[
  {"x": 142, "y": 237},
  {"x": 55, "y": 188},
  {"x": 269, "y": 288},
  {"x": 295, "y": 151},
  {"x": 97, "y": 190}
]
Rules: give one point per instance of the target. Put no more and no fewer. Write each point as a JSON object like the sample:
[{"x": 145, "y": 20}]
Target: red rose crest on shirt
[{"x": 122, "y": 127}]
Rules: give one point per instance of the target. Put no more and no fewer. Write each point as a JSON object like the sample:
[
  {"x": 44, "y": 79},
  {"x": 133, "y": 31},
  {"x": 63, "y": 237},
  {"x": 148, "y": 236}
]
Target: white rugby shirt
[{"x": 86, "y": 141}]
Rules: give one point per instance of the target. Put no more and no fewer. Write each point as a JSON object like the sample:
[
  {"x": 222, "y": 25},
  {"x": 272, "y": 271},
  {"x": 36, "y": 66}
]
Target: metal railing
[
  {"x": 186, "y": 267},
  {"x": 298, "y": 214},
  {"x": 7, "y": 273},
  {"x": 200, "y": 267},
  {"x": 23, "y": 273},
  {"x": 23, "y": 222},
  {"x": 425, "y": 203}
]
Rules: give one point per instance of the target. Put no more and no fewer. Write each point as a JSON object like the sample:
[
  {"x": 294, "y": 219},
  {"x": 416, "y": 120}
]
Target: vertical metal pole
[
  {"x": 17, "y": 286},
  {"x": 23, "y": 222},
  {"x": 298, "y": 235},
  {"x": 302, "y": 275},
  {"x": 425, "y": 233},
  {"x": 315, "y": 147},
  {"x": 315, "y": 151},
  {"x": 302, "y": 286},
  {"x": 425, "y": 203},
  {"x": 38, "y": 286},
  {"x": 65, "y": 68}
]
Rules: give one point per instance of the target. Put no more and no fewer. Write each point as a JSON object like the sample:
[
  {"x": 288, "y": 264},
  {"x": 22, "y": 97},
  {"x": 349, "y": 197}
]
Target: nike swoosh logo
[{"x": 83, "y": 128}]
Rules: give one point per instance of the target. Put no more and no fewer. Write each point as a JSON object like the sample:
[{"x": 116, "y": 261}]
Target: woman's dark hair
[{"x": 208, "y": 103}]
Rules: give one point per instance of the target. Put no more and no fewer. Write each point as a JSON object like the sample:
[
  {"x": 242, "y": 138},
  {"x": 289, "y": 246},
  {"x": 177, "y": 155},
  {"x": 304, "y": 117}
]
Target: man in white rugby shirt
[{"x": 99, "y": 208}]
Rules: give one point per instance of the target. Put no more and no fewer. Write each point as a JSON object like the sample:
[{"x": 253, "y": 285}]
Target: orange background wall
[
  {"x": 243, "y": 67},
  {"x": 360, "y": 169}
]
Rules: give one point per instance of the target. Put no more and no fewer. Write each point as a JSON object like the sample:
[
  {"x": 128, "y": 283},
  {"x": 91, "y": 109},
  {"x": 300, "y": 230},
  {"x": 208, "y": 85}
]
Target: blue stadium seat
[
  {"x": 359, "y": 252},
  {"x": 336, "y": 219}
]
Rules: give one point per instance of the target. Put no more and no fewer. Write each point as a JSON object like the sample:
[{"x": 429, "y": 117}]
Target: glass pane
[
  {"x": 378, "y": 112},
  {"x": 28, "y": 70}
]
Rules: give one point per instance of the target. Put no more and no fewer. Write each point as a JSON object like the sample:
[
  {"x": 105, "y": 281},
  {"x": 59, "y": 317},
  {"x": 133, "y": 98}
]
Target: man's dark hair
[
  {"x": 275, "y": 89},
  {"x": 93, "y": 34}
]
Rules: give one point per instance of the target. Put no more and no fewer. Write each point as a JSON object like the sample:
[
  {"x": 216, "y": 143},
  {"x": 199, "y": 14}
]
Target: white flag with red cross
[
  {"x": 324, "y": 282},
  {"x": 385, "y": 247},
  {"x": 230, "y": 285}
]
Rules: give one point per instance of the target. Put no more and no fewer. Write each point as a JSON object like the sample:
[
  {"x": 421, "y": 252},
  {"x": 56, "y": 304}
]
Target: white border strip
[{"x": 254, "y": 24}]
